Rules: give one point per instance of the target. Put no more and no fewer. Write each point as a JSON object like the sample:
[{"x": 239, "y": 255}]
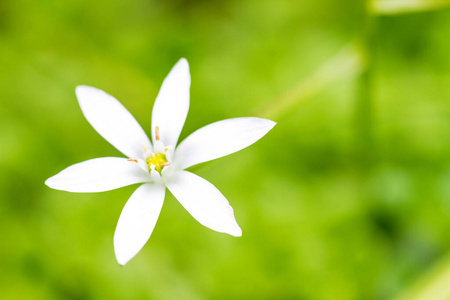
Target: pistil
[{"x": 158, "y": 160}]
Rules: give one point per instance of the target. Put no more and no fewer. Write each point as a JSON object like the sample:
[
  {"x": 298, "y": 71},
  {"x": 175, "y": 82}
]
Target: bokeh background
[{"x": 348, "y": 197}]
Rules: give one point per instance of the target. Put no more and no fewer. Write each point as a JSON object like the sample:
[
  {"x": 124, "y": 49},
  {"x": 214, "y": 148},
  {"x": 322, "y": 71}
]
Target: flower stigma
[{"x": 158, "y": 160}]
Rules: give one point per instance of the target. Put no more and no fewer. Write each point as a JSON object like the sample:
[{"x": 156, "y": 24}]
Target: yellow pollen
[{"x": 159, "y": 160}]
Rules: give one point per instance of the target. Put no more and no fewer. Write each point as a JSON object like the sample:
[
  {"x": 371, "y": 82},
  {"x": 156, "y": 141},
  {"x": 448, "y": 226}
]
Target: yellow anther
[
  {"x": 157, "y": 133},
  {"x": 132, "y": 159}
]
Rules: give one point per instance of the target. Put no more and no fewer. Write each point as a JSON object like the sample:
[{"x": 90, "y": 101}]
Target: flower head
[{"x": 159, "y": 164}]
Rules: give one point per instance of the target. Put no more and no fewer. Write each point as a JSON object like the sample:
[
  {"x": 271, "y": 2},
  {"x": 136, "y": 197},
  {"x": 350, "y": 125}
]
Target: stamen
[
  {"x": 132, "y": 159},
  {"x": 166, "y": 164},
  {"x": 157, "y": 133}
]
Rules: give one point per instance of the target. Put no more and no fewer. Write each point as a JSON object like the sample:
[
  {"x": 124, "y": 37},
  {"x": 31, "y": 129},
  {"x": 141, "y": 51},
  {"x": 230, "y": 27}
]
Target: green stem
[
  {"x": 433, "y": 285},
  {"x": 344, "y": 64}
]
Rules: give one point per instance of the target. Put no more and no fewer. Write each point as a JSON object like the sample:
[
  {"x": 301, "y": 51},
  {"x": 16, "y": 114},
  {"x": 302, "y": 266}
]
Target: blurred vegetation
[{"x": 347, "y": 198}]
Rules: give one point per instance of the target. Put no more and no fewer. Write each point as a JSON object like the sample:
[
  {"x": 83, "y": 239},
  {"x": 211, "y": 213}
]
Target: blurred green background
[{"x": 348, "y": 197}]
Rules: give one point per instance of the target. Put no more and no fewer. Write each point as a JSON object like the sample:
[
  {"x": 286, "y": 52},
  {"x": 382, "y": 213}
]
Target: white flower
[{"x": 158, "y": 165}]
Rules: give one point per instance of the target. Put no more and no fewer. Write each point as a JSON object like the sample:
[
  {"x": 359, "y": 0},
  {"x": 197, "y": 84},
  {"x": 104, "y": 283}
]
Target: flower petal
[
  {"x": 98, "y": 175},
  {"x": 172, "y": 104},
  {"x": 137, "y": 220},
  {"x": 112, "y": 121},
  {"x": 219, "y": 139},
  {"x": 204, "y": 202}
]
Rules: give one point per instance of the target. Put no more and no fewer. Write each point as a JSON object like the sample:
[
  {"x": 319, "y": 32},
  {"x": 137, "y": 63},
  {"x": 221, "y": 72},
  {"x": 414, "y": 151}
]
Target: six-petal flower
[{"x": 159, "y": 164}]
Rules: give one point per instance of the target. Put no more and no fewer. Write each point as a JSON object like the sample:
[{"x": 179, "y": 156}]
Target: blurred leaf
[{"x": 391, "y": 7}]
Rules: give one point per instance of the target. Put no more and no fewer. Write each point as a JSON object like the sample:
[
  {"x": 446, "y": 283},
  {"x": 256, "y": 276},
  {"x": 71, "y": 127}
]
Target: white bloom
[{"x": 159, "y": 164}]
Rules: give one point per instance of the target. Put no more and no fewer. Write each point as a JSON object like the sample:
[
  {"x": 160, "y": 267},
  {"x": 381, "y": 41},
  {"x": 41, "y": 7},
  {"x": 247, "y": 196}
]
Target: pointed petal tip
[
  {"x": 82, "y": 88},
  {"x": 121, "y": 257},
  {"x": 271, "y": 123},
  {"x": 121, "y": 260},
  {"x": 52, "y": 183},
  {"x": 267, "y": 121},
  {"x": 55, "y": 185},
  {"x": 183, "y": 61},
  {"x": 82, "y": 91},
  {"x": 86, "y": 91},
  {"x": 236, "y": 232},
  {"x": 267, "y": 124},
  {"x": 48, "y": 182},
  {"x": 182, "y": 66},
  {"x": 120, "y": 252}
]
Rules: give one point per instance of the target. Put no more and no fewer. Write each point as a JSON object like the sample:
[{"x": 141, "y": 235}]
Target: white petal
[
  {"x": 112, "y": 121},
  {"x": 137, "y": 220},
  {"x": 204, "y": 202},
  {"x": 172, "y": 104},
  {"x": 98, "y": 175},
  {"x": 219, "y": 139}
]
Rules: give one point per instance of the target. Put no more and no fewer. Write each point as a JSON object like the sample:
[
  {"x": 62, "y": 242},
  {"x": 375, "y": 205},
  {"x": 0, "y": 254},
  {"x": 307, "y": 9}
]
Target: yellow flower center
[{"x": 159, "y": 160}]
